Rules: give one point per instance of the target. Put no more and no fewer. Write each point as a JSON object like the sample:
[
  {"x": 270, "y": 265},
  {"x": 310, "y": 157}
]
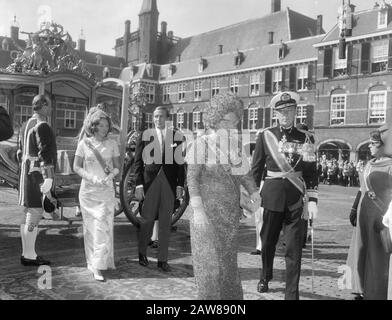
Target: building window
[
  {"x": 99, "y": 59},
  {"x": 379, "y": 55},
  {"x": 150, "y": 93},
  {"x": 339, "y": 65},
  {"x": 255, "y": 84},
  {"x": 338, "y": 109},
  {"x": 303, "y": 74},
  {"x": 69, "y": 119},
  {"x": 181, "y": 92},
  {"x": 377, "y": 107},
  {"x": 382, "y": 19},
  {"x": 253, "y": 118},
  {"x": 215, "y": 86},
  {"x": 23, "y": 113},
  {"x": 301, "y": 114},
  {"x": 274, "y": 119},
  {"x": 4, "y": 102},
  {"x": 166, "y": 94},
  {"x": 277, "y": 81},
  {"x": 134, "y": 121},
  {"x": 197, "y": 90},
  {"x": 149, "y": 120},
  {"x": 180, "y": 119},
  {"x": 234, "y": 84},
  {"x": 196, "y": 120}
]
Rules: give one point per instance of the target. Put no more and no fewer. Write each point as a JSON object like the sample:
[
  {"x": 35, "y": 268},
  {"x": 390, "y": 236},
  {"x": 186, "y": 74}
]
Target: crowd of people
[
  {"x": 281, "y": 181},
  {"x": 339, "y": 172}
]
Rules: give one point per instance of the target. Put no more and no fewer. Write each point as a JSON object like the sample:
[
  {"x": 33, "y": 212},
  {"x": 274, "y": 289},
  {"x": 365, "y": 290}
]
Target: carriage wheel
[{"x": 131, "y": 205}]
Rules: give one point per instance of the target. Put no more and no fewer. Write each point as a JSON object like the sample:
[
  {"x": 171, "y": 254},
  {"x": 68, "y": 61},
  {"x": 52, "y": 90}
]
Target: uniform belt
[{"x": 283, "y": 175}]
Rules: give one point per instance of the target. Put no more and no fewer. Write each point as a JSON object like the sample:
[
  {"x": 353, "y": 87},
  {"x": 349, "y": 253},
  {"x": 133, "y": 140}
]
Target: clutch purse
[{"x": 386, "y": 240}]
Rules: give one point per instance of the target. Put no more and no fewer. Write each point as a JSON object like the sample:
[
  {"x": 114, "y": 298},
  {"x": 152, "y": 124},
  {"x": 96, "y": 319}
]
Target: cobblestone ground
[{"x": 63, "y": 245}]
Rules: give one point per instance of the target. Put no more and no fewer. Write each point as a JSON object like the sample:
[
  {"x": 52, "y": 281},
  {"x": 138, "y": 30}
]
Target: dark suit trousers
[
  {"x": 158, "y": 204},
  {"x": 293, "y": 228}
]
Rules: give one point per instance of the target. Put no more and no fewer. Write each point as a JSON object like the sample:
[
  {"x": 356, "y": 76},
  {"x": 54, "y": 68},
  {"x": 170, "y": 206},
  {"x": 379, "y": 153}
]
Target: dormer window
[
  {"x": 99, "y": 59},
  {"x": 282, "y": 50},
  {"x": 106, "y": 73},
  {"x": 239, "y": 58},
  {"x": 171, "y": 71},
  {"x": 149, "y": 70},
  {"x": 382, "y": 18},
  {"x": 202, "y": 64}
]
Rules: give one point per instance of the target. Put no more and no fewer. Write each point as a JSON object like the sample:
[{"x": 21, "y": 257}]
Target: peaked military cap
[{"x": 284, "y": 100}]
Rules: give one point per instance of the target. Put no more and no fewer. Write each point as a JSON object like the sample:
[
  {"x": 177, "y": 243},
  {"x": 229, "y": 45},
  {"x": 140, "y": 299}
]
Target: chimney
[
  {"x": 163, "y": 28},
  {"x": 275, "y": 6},
  {"x": 220, "y": 48},
  {"x": 14, "y": 29},
  {"x": 270, "y": 37},
  {"x": 319, "y": 26},
  {"x": 82, "y": 43},
  {"x": 127, "y": 35}
]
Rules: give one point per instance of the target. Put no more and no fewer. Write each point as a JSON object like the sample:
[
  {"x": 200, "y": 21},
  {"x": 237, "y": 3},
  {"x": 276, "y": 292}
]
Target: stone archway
[{"x": 335, "y": 149}]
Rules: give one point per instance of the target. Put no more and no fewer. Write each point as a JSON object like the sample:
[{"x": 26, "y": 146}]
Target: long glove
[
  {"x": 354, "y": 209},
  {"x": 312, "y": 210},
  {"x": 89, "y": 177},
  {"x": 387, "y": 218},
  {"x": 47, "y": 185}
]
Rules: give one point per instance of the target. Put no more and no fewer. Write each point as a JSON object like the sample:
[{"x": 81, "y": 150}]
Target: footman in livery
[{"x": 38, "y": 155}]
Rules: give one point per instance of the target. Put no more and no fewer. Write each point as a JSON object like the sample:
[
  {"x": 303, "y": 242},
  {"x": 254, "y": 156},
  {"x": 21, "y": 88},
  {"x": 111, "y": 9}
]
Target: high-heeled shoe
[{"x": 99, "y": 278}]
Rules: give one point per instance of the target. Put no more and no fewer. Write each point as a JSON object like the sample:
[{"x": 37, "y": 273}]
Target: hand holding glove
[
  {"x": 139, "y": 194},
  {"x": 353, "y": 217},
  {"x": 312, "y": 210},
  {"x": 255, "y": 200},
  {"x": 46, "y": 186}
]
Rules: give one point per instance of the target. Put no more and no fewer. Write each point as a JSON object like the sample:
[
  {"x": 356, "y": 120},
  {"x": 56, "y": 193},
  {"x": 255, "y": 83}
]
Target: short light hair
[
  {"x": 38, "y": 102},
  {"x": 163, "y": 109},
  {"x": 219, "y": 106},
  {"x": 95, "y": 115}
]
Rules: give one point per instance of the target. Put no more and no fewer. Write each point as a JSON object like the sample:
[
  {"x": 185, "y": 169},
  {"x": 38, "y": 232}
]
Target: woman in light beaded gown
[{"x": 215, "y": 200}]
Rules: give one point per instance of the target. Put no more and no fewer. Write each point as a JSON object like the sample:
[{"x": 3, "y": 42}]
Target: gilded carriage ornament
[{"x": 47, "y": 51}]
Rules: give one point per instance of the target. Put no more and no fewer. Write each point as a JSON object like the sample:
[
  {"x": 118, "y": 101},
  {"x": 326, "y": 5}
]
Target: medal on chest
[{"x": 289, "y": 149}]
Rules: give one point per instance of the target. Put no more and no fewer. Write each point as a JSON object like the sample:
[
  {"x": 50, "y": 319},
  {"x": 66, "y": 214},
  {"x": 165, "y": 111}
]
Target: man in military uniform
[
  {"x": 38, "y": 155},
  {"x": 288, "y": 156}
]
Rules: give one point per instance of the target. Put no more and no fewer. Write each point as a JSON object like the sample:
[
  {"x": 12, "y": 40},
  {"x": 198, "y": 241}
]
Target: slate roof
[
  {"x": 111, "y": 61},
  {"x": 286, "y": 25},
  {"x": 365, "y": 22},
  {"x": 297, "y": 50}
]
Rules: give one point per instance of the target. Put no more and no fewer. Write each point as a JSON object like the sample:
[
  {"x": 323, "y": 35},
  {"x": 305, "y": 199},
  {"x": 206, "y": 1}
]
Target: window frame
[
  {"x": 382, "y": 14},
  {"x": 277, "y": 84},
  {"x": 332, "y": 118},
  {"x": 234, "y": 84},
  {"x": 196, "y": 119},
  {"x": 181, "y": 92},
  {"x": 166, "y": 94},
  {"x": 254, "y": 84},
  {"x": 253, "y": 117},
  {"x": 215, "y": 87},
  {"x": 150, "y": 120},
  {"x": 180, "y": 119},
  {"x": 274, "y": 118},
  {"x": 374, "y": 93},
  {"x": 302, "y": 79},
  {"x": 302, "y": 114},
  {"x": 68, "y": 112},
  {"x": 339, "y": 66},
  {"x": 380, "y": 62},
  {"x": 197, "y": 90}
]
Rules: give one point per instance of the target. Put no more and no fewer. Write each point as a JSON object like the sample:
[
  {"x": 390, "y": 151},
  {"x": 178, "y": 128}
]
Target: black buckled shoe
[
  {"x": 154, "y": 244},
  {"x": 143, "y": 261},
  {"x": 256, "y": 253},
  {"x": 262, "y": 286},
  {"x": 39, "y": 261},
  {"x": 164, "y": 266}
]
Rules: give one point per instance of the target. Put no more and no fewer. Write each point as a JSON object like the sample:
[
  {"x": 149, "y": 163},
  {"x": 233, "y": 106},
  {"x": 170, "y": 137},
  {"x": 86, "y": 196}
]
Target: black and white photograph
[{"x": 216, "y": 150}]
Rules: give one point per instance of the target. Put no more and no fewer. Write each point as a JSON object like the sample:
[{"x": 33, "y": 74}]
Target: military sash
[{"x": 281, "y": 161}]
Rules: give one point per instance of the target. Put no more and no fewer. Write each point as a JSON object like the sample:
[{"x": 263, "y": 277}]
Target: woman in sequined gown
[{"x": 215, "y": 200}]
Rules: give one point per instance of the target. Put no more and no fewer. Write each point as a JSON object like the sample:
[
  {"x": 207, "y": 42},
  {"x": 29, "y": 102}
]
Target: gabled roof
[
  {"x": 365, "y": 22},
  {"x": 266, "y": 56},
  {"x": 286, "y": 25}
]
